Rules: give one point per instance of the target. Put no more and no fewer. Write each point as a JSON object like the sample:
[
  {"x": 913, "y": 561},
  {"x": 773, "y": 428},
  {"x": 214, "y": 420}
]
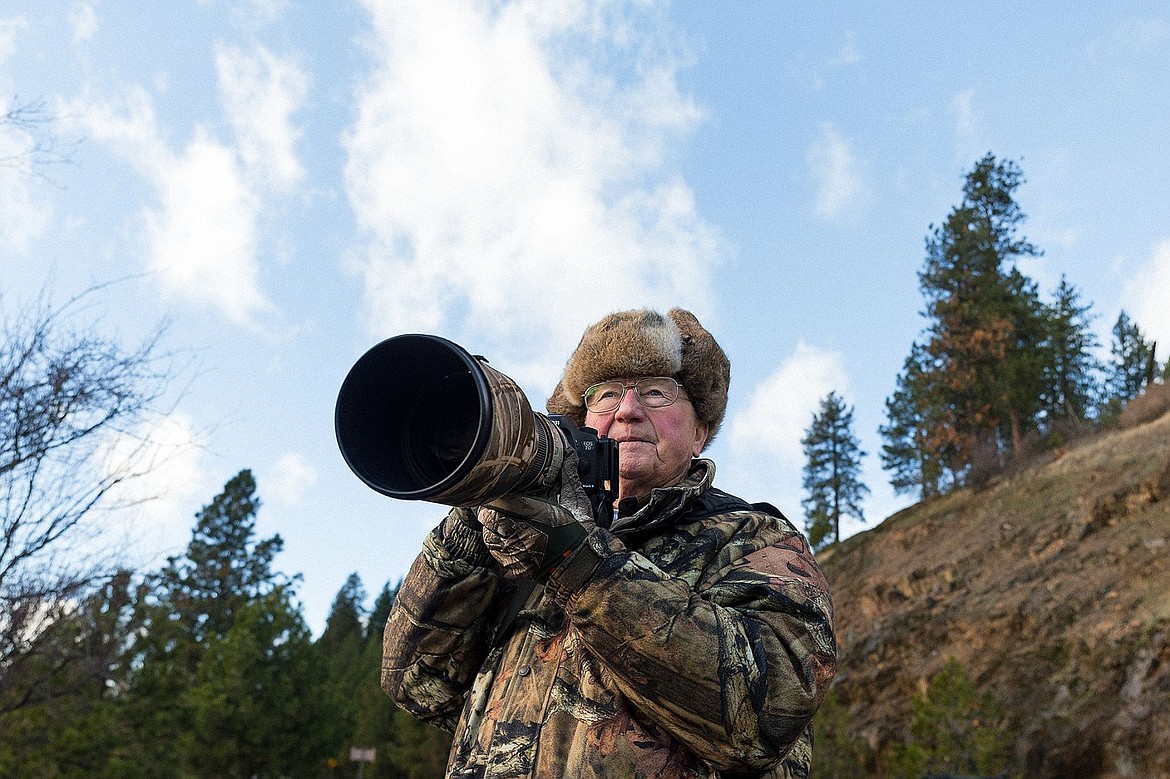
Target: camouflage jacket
[{"x": 696, "y": 642}]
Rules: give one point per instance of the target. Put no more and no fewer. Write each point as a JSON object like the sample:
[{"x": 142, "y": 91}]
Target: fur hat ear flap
[{"x": 629, "y": 344}]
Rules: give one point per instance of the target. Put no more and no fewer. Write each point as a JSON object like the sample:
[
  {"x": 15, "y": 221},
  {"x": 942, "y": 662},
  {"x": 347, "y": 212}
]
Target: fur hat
[{"x": 646, "y": 343}]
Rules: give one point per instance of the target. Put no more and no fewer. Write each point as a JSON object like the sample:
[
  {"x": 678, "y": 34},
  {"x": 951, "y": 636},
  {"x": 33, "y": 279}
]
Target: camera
[{"x": 420, "y": 418}]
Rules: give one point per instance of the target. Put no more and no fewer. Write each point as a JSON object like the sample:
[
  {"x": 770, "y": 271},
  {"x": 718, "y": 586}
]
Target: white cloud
[
  {"x": 841, "y": 188},
  {"x": 968, "y": 140},
  {"x": 781, "y": 407},
  {"x": 1146, "y": 297},
  {"x": 508, "y": 165},
  {"x": 9, "y": 27},
  {"x": 261, "y": 92},
  {"x": 83, "y": 20},
  {"x": 291, "y": 476},
  {"x": 164, "y": 478},
  {"x": 22, "y": 216},
  {"x": 849, "y": 54},
  {"x": 202, "y": 235}
]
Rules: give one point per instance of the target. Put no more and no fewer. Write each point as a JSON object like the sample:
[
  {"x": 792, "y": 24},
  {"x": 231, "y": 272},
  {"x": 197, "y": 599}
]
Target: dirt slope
[{"x": 1052, "y": 588}]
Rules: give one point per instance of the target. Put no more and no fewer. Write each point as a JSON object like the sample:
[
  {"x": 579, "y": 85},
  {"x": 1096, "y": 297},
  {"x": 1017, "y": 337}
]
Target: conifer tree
[
  {"x": 831, "y": 471},
  {"x": 916, "y": 462},
  {"x": 342, "y": 650},
  {"x": 1133, "y": 360},
  {"x": 1071, "y": 368},
  {"x": 224, "y": 681},
  {"x": 980, "y": 369}
]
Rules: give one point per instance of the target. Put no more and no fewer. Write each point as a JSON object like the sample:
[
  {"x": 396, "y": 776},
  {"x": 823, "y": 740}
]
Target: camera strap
[{"x": 525, "y": 589}]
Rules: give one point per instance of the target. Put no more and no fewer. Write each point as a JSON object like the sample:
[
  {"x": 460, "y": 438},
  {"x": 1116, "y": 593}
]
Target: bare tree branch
[
  {"x": 32, "y": 145},
  {"x": 67, "y": 395}
]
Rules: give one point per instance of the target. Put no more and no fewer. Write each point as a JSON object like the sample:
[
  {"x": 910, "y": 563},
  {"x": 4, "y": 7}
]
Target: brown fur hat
[{"x": 635, "y": 343}]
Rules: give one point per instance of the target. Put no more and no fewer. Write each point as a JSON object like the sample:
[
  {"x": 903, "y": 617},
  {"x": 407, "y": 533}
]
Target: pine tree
[
  {"x": 832, "y": 471},
  {"x": 1133, "y": 360},
  {"x": 986, "y": 318},
  {"x": 219, "y": 623},
  {"x": 916, "y": 462},
  {"x": 979, "y": 373},
  {"x": 1071, "y": 369},
  {"x": 223, "y": 567},
  {"x": 342, "y": 649}
]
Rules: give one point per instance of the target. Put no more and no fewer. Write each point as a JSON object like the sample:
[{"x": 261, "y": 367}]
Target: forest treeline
[{"x": 206, "y": 668}]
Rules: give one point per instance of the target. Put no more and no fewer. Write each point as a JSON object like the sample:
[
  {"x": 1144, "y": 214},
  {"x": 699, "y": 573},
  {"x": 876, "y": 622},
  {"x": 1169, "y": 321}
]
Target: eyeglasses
[{"x": 653, "y": 392}]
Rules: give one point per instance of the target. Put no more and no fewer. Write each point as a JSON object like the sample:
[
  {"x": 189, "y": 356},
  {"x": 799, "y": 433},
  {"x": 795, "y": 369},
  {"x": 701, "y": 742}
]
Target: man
[{"x": 692, "y": 637}]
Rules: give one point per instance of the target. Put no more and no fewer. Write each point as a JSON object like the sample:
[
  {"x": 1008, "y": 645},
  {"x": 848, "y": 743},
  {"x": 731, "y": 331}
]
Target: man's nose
[{"x": 630, "y": 406}]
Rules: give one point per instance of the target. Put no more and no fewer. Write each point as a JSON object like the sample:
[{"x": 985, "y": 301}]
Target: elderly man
[{"x": 689, "y": 636}]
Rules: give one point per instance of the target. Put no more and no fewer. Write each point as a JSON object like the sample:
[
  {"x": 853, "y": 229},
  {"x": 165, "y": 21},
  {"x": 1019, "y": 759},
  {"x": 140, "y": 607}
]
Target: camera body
[{"x": 597, "y": 465}]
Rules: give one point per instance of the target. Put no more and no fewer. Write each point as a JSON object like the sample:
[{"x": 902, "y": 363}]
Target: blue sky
[{"x": 289, "y": 183}]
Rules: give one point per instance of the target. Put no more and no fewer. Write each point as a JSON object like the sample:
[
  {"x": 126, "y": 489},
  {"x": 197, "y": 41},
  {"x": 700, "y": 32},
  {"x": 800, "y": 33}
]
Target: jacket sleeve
[
  {"x": 434, "y": 639},
  {"x": 733, "y": 665}
]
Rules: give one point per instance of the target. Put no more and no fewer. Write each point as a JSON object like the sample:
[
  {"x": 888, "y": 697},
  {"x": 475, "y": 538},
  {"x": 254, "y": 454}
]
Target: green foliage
[
  {"x": 954, "y": 731},
  {"x": 206, "y": 668},
  {"x": 1133, "y": 363},
  {"x": 832, "y": 471},
  {"x": 914, "y": 459},
  {"x": 256, "y": 698},
  {"x": 1071, "y": 387},
  {"x": 995, "y": 367},
  {"x": 838, "y": 754}
]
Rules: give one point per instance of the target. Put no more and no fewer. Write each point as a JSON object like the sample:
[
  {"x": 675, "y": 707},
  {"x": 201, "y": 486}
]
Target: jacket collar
[{"x": 663, "y": 504}]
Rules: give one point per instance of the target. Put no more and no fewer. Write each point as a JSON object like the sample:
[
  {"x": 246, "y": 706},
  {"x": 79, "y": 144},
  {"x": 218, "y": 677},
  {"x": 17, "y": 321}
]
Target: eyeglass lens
[{"x": 653, "y": 392}]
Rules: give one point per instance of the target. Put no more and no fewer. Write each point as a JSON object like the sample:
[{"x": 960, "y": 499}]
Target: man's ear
[{"x": 701, "y": 431}]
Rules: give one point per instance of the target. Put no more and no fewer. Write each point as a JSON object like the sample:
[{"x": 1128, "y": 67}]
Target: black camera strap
[{"x": 520, "y": 598}]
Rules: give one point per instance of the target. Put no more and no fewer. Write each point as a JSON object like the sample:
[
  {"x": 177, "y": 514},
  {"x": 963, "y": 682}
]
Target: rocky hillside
[{"x": 1051, "y": 587}]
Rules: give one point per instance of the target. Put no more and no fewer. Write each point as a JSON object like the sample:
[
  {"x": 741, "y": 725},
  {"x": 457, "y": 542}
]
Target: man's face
[{"x": 655, "y": 445}]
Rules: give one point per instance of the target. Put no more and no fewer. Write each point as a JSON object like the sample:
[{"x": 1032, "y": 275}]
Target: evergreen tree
[
  {"x": 342, "y": 648},
  {"x": 223, "y": 567},
  {"x": 72, "y": 728},
  {"x": 986, "y": 320},
  {"x": 1133, "y": 361},
  {"x": 916, "y": 462},
  {"x": 831, "y": 471},
  {"x": 1071, "y": 369},
  {"x": 979, "y": 374},
  {"x": 405, "y": 747},
  {"x": 218, "y": 619},
  {"x": 256, "y": 701}
]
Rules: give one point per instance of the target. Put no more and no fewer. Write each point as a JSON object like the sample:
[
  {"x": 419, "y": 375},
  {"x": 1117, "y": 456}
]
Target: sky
[{"x": 288, "y": 183}]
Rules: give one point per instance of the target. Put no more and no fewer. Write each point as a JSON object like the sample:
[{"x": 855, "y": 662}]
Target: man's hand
[{"x": 530, "y": 536}]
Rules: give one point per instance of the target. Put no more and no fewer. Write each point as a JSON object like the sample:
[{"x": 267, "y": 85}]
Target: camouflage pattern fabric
[{"x": 700, "y": 646}]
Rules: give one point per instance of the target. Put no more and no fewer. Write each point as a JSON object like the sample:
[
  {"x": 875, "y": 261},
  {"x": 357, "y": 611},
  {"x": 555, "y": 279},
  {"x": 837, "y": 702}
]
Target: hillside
[{"x": 1051, "y": 587}]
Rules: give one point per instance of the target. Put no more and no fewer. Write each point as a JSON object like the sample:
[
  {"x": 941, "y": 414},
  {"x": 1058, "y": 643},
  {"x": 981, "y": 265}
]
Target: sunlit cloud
[
  {"x": 1146, "y": 296},
  {"x": 10, "y": 27},
  {"x": 83, "y": 21},
  {"x": 764, "y": 457},
  {"x": 202, "y": 231},
  {"x": 509, "y": 187},
  {"x": 23, "y": 215},
  {"x": 969, "y": 142},
  {"x": 849, "y": 54},
  {"x": 781, "y": 407},
  {"x": 261, "y": 93},
  {"x": 161, "y": 467},
  {"x": 839, "y": 176},
  {"x": 290, "y": 478}
]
